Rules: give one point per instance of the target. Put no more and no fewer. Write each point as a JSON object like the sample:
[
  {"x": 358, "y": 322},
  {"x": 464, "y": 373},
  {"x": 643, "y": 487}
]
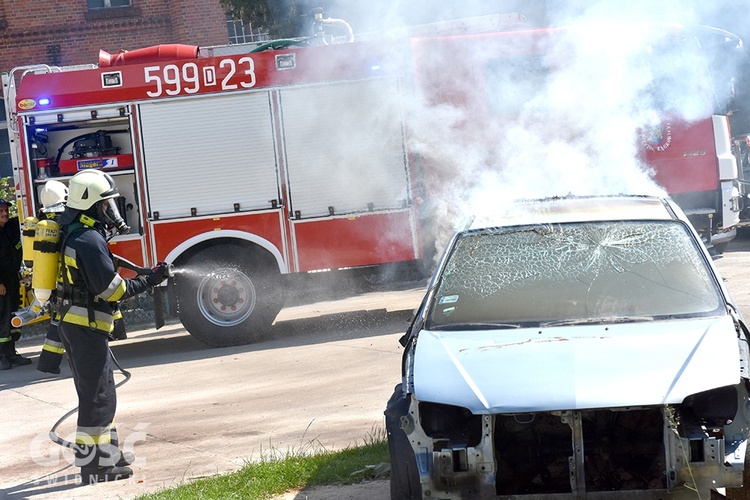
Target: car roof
[{"x": 578, "y": 209}]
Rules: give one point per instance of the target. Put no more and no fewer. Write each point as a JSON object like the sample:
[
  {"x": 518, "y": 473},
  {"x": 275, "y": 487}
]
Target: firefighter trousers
[
  {"x": 8, "y": 334},
  {"x": 91, "y": 364}
]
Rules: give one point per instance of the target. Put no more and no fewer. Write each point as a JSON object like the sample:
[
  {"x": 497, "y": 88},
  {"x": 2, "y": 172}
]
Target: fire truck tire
[{"x": 229, "y": 295}]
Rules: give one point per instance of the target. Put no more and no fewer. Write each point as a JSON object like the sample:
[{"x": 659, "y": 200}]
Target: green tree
[
  {"x": 282, "y": 18},
  {"x": 8, "y": 192}
]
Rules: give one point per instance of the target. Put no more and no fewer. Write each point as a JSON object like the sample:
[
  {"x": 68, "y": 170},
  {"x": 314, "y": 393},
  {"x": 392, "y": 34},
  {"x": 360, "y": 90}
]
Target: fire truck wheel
[{"x": 229, "y": 295}]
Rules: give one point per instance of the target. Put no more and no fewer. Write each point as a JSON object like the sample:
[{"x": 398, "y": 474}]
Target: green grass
[{"x": 277, "y": 472}]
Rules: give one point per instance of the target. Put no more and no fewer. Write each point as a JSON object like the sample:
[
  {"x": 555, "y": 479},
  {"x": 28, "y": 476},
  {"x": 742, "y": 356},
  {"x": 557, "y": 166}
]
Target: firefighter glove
[{"x": 158, "y": 274}]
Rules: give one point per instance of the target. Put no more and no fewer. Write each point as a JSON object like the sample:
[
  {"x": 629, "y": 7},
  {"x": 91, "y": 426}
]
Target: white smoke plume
[{"x": 568, "y": 119}]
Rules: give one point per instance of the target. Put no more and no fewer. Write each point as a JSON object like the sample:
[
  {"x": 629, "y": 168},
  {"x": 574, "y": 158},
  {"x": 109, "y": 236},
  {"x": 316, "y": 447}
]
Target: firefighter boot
[
  {"x": 5, "y": 362},
  {"x": 94, "y": 474},
  {"x": 98, "y": 464},
  {"x": 126, "y": 458},
  {"x": 123, "y": 457},
  {"x": 15, "y": 358},
  {"x": 111, "y": 455}
]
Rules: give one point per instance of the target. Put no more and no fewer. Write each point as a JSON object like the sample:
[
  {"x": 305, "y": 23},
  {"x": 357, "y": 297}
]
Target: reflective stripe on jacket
[{"x": 93, "y": 281}]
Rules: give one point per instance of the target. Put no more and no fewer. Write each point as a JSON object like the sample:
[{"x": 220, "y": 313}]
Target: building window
[
  {"x": 54, "y": 55},
  {"x": 240, "y": 32},
  {"x": 105, "y": 4}
]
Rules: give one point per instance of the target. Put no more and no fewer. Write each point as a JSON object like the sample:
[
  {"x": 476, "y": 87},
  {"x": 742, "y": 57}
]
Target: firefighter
[
  {"x": 53, "y": 196},
  {"x": 88, "y": 285},
  {"x": 10, "y": 266}
]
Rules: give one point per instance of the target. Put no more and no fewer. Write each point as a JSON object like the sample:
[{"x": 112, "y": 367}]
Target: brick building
[{"x": 69, "y": 32}]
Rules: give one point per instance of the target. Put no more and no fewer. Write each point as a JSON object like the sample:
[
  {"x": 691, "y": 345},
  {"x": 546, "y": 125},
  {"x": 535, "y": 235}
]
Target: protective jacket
[
  {"x": 10, "y": 252},
  {"x": 89, "y": 279},
  {"x": 51, "y": 356}
]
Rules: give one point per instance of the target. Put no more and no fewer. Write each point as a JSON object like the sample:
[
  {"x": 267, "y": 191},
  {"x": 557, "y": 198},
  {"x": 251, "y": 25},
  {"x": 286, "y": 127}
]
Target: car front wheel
[{"x": 405, "y": 483}]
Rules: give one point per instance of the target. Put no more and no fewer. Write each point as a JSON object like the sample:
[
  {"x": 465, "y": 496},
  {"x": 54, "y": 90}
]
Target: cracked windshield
[{"x": 573, "y": 273}]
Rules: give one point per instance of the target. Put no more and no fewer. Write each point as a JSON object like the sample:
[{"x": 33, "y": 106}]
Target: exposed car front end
[{"x": 587, "y": 350}]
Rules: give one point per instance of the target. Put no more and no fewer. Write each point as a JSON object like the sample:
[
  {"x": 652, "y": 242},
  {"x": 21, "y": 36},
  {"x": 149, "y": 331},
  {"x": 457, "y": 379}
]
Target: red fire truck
[
  {"x": 241, "y": 168},
  {"x": 238, "y": 169}
]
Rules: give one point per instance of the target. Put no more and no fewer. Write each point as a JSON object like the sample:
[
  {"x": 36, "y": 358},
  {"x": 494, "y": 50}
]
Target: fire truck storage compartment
[
  {"x": 346, "y": 134},
  {"x": 95, "y": 150},
  {"x": 61, "y": 144},
  {"x": 67, "y": 142},
  {"x": 223, "y": 148}
]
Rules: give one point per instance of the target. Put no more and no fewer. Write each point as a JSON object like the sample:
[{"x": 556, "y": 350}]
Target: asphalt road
[
  {"x": 734, "y": 265},
  {"x": 191, "y": 411}
]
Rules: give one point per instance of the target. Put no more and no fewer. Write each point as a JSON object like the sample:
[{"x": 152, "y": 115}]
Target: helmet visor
[{"x": 57, "y": 208}]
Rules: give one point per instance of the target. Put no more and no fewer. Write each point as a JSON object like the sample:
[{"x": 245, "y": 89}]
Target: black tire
[
  {"x": 405, "y": 483},
  {"x": 229, "y": 294}
]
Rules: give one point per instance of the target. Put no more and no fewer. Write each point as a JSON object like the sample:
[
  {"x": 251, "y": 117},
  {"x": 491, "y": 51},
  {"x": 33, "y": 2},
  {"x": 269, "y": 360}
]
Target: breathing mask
[{"x": 111, "y": 218}]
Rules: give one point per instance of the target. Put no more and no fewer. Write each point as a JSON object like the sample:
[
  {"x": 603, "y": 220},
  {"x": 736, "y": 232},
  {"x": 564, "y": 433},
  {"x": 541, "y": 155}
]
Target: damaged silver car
[{"x": 573, "y": 348}]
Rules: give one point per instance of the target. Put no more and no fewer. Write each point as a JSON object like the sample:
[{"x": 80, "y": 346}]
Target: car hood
[{"x": 576, "y": 367}]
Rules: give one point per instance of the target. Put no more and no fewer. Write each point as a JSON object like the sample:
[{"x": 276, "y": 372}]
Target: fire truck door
[
  {"x": 344, "y": 148},
  {"x": 347, "y": 174},
  {"x": 208, "y": 154}
]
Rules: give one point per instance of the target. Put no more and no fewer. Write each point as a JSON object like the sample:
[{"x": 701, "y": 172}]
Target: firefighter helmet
[
  {"x": 88, "y": 187},
  {"x": 54, "y": 195}
]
